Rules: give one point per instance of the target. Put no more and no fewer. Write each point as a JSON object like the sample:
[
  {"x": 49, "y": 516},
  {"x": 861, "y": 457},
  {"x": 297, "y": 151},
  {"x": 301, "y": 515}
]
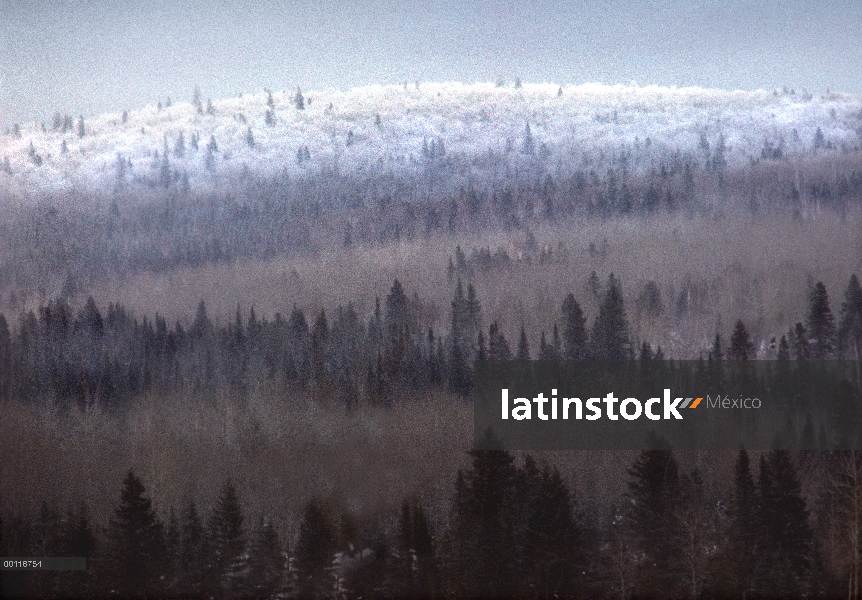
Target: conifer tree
[
  {"x": 610, "y": 338},
  {"x": 716, "y": 352},
  {"x": 417, "y": 569},
  {"x": 266, "y": 562},
  {"x": 786, "y": 536},
  {"x": 523, "y": 346},
  {"x": 226, "y": 544},
  {"x": 741, "y": 346},
  {"x": 821, "y": 324},
  {"x": 135, "y": 556},
  {"x": 850, "y": 328},
  {"x": 799, "y": 342},
  {"x": 742, "y": 539},
  {"x": 314, "y": 552},
  {"x": 193, "y": 552},
  {"x": 484, "y": 552},
  {"x": 653, "y": 491}
]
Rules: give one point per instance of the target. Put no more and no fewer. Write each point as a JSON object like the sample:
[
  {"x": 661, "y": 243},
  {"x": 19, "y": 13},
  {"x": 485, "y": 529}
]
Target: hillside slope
[{"x": 474, "y": 132}]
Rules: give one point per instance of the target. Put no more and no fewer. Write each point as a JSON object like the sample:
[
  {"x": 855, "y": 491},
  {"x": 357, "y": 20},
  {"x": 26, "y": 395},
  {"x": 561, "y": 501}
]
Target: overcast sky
[{"x": 87, "y": 57}]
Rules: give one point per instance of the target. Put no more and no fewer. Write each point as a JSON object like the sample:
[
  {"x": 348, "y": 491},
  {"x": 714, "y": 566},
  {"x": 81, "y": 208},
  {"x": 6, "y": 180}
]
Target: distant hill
[{"x": 448, "y": 133}]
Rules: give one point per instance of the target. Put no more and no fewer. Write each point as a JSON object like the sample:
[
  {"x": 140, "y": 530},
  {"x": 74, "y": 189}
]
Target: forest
[{"x": 261, "y": 386}]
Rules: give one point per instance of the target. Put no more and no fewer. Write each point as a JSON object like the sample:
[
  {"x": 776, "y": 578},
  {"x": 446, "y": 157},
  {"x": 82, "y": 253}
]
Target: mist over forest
[{"x": 237, "y": 339}]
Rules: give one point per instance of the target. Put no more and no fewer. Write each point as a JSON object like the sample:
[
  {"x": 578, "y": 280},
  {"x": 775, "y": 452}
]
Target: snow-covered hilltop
[{"x": 471, "y": 131}]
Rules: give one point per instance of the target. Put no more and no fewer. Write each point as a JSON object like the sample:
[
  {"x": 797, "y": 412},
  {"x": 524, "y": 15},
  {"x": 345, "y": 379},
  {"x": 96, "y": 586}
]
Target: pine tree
[
  {"x": 135, "y": 556},
  {"x": 5, "y": 359},
  {"x": 266, "y": 562},
  {"x": 821, "y": 324},
  {"x": 741, "y": 346},
  {"x": 799, "y": 342},
  {"x": 610, "y": 339},
  {"x": 226, "y": 544},
  {"x": 484, "y": 549},
  {"x": 417, "y": 575},
  {"x": 716, "y": 352},
  {"x": 742, "y": 533},
  {"x": 550, "y": 536},
  {"x": 314, "y": 552},
  {"x": 193, "y": 552},
  {"x": 653, "y": 491},
  {"x": 523, "y": 346},
  {"x": 850, "y": 329},
  {"x": 786, "y": 536},
  {"x": 81, "y": 128},
  {"x": 298, "y": 100},
  {"x": 575, "y": 345}
]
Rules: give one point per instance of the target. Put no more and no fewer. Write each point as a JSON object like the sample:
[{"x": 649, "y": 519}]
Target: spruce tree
[
  {"x": 742, "y": 538},
  {"x": 741, "y": 346},
  {"x": 484, "y": 551},
  {"x": 523, "y": 346},
  {"x": 850, "y": 328},
  {"x": 314, "y": 552},
  {"x": 193, "y": 552},
  {"x": 610, "y": 339},
  {"x": 226, "y": 544},
  {"x": 135, "y": 556},
  {"x": 417, "y": 569},
  {"x": 785, "y": 534},
  {"x": 821, "y": 324},
  {"x": 574, "y": 330},
  {"x": 653, "y": 492},
  {"x": 266, "y": 562},
  {"x": 549, "y": 535}
]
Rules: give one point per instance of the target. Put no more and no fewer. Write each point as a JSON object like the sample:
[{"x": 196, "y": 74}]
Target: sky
[{"x": 93, "y": 56}]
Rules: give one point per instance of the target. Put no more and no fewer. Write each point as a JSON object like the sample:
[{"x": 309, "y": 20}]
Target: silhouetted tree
[
  {"x": 314, "y": 552},
  {"x": 741, "y": 346},
  {"x": 226, "y": 545},
  {"x": 610, "y": 338},
  {"x": 821, "y": 324},
  {"x": 135, "y": 558}
]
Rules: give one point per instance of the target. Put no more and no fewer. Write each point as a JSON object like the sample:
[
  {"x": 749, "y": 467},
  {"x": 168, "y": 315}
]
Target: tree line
[
  {"x": 87, "y": 357},
  {"x": 170, "y": 226},
  {"x": 515, "y": 528}
]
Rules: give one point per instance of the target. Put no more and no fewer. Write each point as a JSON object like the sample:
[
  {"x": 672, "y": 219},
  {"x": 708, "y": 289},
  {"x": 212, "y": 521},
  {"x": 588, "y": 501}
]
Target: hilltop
[{"x": 463, "y": 133}]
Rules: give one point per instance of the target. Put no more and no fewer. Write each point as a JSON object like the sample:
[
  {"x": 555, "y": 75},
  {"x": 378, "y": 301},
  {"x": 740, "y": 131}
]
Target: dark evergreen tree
[
  {"x": 653, "y": 492},
  {"x": 799, "y": 342},
  {"x": 850, "y": 328},
  {"x": 483, "y": 549},
  {"x": 417, "y": 575},
  {"x": 575, "y": 344},
  {"x": 226, "y": 545},
  {"x": 549, "y": 536},
  {"x": 135, "y": 556},
  {"x": 716, "y": 352},
  {"x": 741, "y": 549},
  {"x": 741, "y": 346},
  {"x": 266, "y": 562},
  {"x": 786, "y": 537},
  {"x": 193, "y": 553},
  {"x": 610, "y": 338},
  {"x": 314, "y": 552},
  {"x": 298, "y": 100},
  {"x": 822, "y": 336},
  {"x": 523, "y": 346}
]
